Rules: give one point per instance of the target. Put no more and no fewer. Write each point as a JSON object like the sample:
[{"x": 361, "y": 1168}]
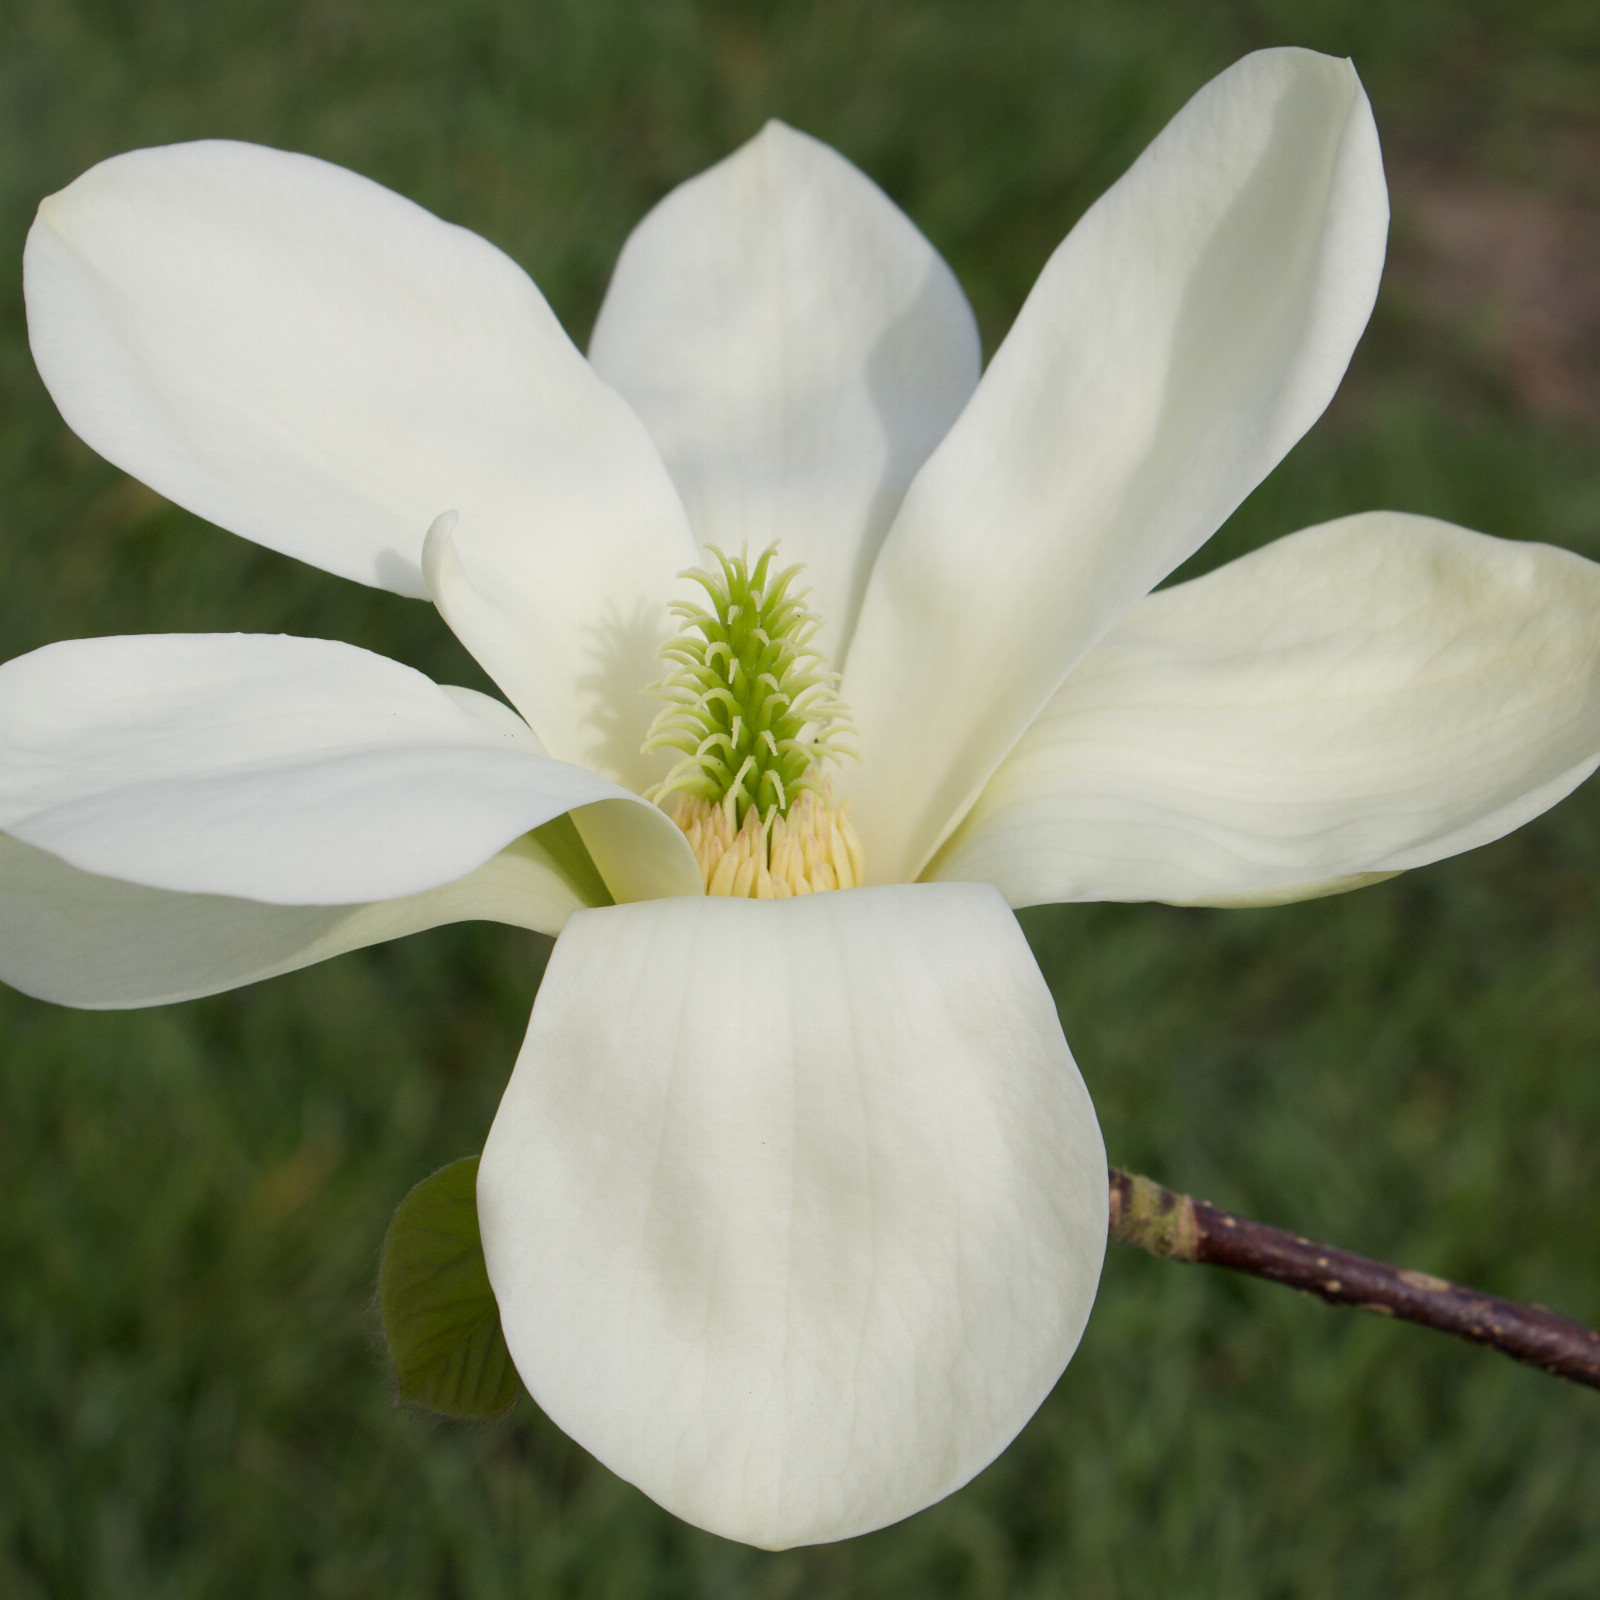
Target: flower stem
[{"x": 1181, "y": 1228}]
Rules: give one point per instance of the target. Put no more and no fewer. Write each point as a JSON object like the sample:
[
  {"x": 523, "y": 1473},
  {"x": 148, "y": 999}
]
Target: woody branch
[{"x": 1181, "y": 1228}]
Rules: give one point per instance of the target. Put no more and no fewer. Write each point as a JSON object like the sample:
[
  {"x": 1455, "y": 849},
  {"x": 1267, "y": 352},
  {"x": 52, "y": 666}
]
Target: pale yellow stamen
[{"x": 813, "y": 848}]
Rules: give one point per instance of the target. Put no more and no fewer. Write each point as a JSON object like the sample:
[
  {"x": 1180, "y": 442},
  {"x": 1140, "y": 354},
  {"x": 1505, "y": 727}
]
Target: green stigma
[{"x": 752, "y": 707}]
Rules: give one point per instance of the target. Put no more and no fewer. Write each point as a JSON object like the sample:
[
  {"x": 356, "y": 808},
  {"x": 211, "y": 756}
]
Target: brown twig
[{"x": 1182, "y": 1228}]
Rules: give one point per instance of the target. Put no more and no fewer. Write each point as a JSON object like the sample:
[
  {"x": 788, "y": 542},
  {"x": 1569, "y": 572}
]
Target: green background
[{"x": 192, "y": 1397}]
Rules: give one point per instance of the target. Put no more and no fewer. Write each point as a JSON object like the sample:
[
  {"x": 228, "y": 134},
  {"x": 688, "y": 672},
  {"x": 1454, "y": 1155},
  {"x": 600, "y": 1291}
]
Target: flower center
[{"x": 756, "y": 716}]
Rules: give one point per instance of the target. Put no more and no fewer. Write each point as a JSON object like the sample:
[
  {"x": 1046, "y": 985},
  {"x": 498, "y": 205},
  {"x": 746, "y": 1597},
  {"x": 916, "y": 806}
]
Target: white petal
[
  {"x": 1354, "y": 700},
  {"x": 321, "y": 366},
  {"x": 595, "y": 712},
  {"x": 1186, "y": 333},
  {"x": 794, "y": 1210},
  {"x": 294, "y": 771},
  {"x": 76, "y": 939},
  {"x": 796, "y": 348},
  {"x": 640, "y": 852}
]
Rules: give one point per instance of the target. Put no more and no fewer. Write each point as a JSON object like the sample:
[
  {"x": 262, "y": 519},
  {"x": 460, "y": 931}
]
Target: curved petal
[
  {"x": 796, "y": 349},
  {"x": 794, "y": 1210},
  {"x": 640, "y": 851},
  {"x": 1360, "y": 698},
  {"x": 496, "y": 603},
  {"x": 293, "y": 771},
  {"x": 1191, "y": 327},
  {"x": 77, "y": 939},
  {"x": 313, "y": 362}
]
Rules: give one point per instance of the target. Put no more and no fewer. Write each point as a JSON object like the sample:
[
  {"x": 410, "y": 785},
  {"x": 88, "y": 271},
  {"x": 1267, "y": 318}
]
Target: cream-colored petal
[
  {"x": 313, "y": 362},
  {"x": 794, "y": 1209},
  {"x": 1186, "y": 333},
  {"x": 293, "y": 771},
  {"x": 796, "y": 348},
  {"x": 1360, "y": 698},
  {"x": 598, "y": 711},
  {"x": 78, "y": 939},
  {"x": 640, "y": 852}
]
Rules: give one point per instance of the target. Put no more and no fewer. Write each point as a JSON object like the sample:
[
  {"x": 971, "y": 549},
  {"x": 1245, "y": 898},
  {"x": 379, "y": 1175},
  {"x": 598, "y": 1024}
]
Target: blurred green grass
[{"x": 192, "y": 1397}]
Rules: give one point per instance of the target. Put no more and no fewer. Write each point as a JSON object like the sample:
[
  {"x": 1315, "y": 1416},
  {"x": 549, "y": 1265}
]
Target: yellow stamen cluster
[{"x": 812, "y": 848}]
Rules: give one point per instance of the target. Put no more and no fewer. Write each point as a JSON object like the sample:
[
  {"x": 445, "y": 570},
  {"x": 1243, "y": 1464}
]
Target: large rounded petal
[
  {"x": 794, "y": 1210},
  {"x": 796, "y": 348},
  {"x": 76, "y": 939},
  {"x": 1186, "y": 333},
  {"x": 313, "y": 362},
  {"x": 1354, "y": 700},
  {"x": 292, "y": 771}
]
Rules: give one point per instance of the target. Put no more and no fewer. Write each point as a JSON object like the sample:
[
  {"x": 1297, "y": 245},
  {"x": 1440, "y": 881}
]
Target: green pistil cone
[{"x": 751, "y": 707}]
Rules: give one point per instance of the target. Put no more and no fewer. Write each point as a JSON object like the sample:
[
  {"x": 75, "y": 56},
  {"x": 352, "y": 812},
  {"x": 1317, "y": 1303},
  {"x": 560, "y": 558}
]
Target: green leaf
[{"x": 440, "y": 1317}]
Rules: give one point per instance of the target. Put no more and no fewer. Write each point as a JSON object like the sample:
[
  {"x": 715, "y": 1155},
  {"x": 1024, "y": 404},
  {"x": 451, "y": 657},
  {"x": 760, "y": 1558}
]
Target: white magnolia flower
[{"x": 794, "y": 1209}]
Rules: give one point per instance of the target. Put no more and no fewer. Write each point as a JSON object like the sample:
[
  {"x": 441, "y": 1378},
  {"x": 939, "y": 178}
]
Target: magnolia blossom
[{"x": 795, "y": 1204}]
